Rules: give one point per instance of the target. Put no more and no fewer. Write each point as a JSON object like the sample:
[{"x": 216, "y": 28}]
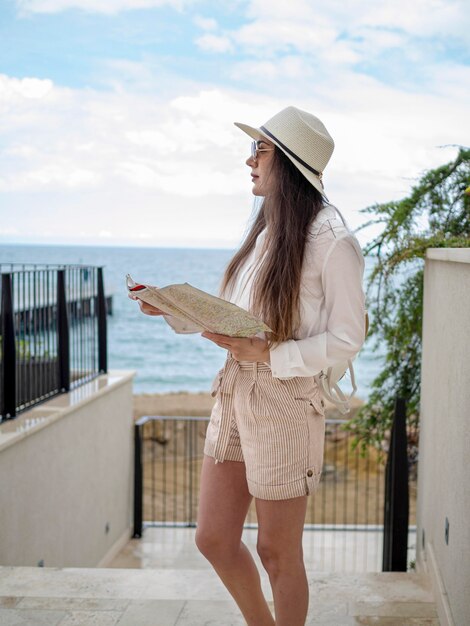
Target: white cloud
[
  {"x": 421, "y": 17},
  {"x": 451, "y": 79},
  {"x": 214, "y": 43},
  {"x": 205, "y": 23},
  {"x": 281, "y": 10},
  {"x": 285, "y": 69},
  {"x": 109, "y": 7},
  {"x": 342, "y": 34},
  {"x": 298, "y": 33},
  {"x": 8, "y": 232},
  {"x": 85, "y": 139},
  {"x": 155, "y": 158},
  {"x": 33, "y": 88},
  {"x": 52, "y": 175},
  {"x": 127, "y": 163}
]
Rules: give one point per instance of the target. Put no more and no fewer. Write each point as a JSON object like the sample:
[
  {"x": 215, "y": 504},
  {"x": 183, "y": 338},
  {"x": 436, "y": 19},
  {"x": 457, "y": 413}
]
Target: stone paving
[{"x": 184, "y": 591}]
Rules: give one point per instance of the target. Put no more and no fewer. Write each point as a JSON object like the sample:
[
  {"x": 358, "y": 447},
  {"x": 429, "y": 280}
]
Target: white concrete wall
[
  {"x": 66, "y": 471},
  {"x": 444, "y": 447}
]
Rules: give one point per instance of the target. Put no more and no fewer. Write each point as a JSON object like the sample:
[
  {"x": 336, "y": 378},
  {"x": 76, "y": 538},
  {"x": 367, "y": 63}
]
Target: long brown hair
[{"x": 286, "y": 214}]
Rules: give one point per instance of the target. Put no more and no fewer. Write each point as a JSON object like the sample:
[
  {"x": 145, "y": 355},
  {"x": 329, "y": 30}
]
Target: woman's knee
[
  {"x": 268, "y": 553},
  {"x": 276, "y": 557},
  {"x": 215, "y": 546},
  {"x": 204, "y": 541}
]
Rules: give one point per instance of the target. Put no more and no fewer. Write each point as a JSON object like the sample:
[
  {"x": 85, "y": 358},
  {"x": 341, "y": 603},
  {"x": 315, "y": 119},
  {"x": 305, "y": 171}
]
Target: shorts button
[
  {"x": 310, "y": 473},
  {"x": 322, "y": 402}
]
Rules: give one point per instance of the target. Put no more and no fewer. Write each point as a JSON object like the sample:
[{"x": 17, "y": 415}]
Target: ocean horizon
[{"x": 164, "y": 361}]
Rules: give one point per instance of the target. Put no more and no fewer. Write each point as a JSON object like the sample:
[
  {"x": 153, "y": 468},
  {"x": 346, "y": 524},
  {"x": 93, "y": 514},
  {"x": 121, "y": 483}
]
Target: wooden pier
[{"x": 44, "y": 316}]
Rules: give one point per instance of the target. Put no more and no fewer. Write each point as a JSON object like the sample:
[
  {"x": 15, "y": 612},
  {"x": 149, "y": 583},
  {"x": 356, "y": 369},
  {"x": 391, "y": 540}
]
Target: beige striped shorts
[{"x": 276, "y": 427}]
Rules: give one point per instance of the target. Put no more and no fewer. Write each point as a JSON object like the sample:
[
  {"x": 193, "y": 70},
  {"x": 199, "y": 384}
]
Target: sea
[{"x": 163, "y": 360}]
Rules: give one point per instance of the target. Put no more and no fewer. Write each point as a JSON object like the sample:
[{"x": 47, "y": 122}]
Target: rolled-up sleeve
[{"x": 344, "y": 301}]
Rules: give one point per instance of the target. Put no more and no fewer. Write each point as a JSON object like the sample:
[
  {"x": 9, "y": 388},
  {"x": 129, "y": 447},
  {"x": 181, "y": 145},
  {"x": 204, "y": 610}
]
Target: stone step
[{"x": 188, "y": 597}]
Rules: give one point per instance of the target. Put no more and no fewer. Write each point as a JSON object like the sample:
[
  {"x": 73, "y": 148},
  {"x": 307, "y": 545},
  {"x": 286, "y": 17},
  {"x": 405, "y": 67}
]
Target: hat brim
[{"x": 256, "y": 133}]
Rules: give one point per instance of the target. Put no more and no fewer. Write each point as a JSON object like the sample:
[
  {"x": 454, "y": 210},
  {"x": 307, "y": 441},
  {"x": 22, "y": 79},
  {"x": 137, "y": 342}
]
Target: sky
[{"x": 116, "y": 116}]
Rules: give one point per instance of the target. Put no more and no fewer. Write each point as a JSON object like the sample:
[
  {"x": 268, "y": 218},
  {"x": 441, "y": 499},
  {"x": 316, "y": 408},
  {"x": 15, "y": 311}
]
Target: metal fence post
[
  {"x": 102, "y": 329},
  {"x": 138, "y": 483},
  {"x": 63, "y": 339},
  {"x": 396, "y": 506},
  {"x": 8, "y": 382}
]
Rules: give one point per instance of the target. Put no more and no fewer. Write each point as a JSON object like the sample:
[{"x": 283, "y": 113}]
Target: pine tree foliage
[{"x": 436, "y": 214}]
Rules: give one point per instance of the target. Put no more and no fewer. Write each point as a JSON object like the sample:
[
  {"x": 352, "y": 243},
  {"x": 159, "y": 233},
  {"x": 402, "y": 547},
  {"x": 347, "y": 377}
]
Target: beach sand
[
  {"x": 200, "y": 404},
  {"x": 351, "y": 490}
]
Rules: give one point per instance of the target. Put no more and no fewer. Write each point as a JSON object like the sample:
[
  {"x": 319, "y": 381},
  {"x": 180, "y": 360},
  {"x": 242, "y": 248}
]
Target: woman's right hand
[{"x": 148, "y": 309}]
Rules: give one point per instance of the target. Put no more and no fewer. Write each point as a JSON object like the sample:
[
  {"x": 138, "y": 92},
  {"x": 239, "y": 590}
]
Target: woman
[{"x": 300, "y": 270}]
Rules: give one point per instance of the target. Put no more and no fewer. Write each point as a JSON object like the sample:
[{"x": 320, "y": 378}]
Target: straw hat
[{"x": 302, "y": 137}]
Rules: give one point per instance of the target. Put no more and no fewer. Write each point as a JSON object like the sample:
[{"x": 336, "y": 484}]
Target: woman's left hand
[{"x": 252, "y": 349}]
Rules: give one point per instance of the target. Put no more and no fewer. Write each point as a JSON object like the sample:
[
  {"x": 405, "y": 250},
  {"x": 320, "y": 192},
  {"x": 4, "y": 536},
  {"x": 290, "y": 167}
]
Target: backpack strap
[
  {"x": 328, "y": 380},
  {"x": 327, "y": 213}
]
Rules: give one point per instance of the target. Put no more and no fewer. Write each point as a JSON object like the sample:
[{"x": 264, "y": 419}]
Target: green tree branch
[{"x": 436, "y": 214}]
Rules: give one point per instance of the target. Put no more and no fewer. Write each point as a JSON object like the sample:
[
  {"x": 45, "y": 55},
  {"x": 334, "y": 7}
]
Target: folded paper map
[{"x": 190, "y": 310}]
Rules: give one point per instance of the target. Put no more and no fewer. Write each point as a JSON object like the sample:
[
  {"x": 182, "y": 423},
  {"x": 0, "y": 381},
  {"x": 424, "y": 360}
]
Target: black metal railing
[
  {"x": 348, "y": 512},
  {"x": 397, "y": 499},
  {"x": 53, "y": 332}
]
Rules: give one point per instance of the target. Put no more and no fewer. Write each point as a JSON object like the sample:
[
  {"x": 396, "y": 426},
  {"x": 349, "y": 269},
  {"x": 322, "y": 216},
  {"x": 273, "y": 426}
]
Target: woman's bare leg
[
  {"x": 223, "y": 505},
  {"x": 281, "y": 524}
]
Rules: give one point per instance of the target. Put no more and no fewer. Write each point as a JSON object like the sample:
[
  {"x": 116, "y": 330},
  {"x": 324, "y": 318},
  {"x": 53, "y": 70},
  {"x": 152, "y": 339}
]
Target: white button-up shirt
[{"x": 332, "y": 300}]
